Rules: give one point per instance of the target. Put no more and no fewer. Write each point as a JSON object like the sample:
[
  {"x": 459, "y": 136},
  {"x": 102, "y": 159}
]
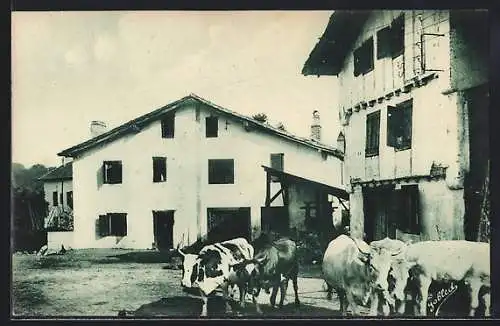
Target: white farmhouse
[
  {"x": 193, "y": 169},
  {"x": 58, "y": 189},
  {"x": 414, "y": 110}
]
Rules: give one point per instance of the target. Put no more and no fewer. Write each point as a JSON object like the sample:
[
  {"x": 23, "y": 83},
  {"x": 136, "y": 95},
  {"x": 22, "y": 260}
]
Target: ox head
[
  {"x": 399, "y": 273},
  {"x": 189, "y": 269},
  {"x": 383, "y": 255},
  {"x": 250, "y": 270}
]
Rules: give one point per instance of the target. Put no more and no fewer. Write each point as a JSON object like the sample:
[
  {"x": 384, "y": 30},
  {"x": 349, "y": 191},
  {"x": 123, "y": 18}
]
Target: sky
[{"x": 69, "y": 68}]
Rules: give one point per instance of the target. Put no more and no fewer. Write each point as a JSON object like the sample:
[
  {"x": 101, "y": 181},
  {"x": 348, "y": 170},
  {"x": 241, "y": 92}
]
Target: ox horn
[
  {"x": 361, "y": 250},
  {"x": 397, "y": 252}
]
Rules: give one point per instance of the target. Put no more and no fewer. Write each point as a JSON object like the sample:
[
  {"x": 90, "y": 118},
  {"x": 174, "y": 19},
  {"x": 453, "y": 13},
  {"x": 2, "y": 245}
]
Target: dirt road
[{"x": 105, "y": 282}]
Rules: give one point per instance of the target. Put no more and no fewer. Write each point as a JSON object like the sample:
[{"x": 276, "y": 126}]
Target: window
[
  {"x": 112, "y": 224},
  {"x": 372, "y": 133},
  {"x": 363, "y": 58},
  {"x": 168, "y": 126},
  {"x": 407, "y": 218},
  {"x": 55, "y": 201},
  {"x": 112, "y": 172},
  {"x": 211, "y": 127},
  {"x": 399, "y": 125},
  {"x": 69, "y": 199},
  {"x": 221, "y": 171},
  {"x": 390, "y": 40},
  {"x": 159, "y": 169},
  {"x": 398, "y": 36},
  {"x": 277, "y": 161},
  {"x": 61, "y": 199},
  {"x": 384, "y": 48}
]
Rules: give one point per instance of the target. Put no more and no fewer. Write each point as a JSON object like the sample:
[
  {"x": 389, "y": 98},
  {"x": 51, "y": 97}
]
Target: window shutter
[
  {"x": 412, "y": 204},
  {"x": 399, "y": 210},
  {"x": 104, "y": 178},
  {"x": 357, "y": 62},
  {"x": 384, "y": 43},
  {"x": 118, "y": 169},
  {"x": 407, "y": 125},
  {"x": 277, "y": 161},
  {"x": 397, "y": 36},
  {"x": 391, "y": 126},
  {"x": 103, "y": 226}
]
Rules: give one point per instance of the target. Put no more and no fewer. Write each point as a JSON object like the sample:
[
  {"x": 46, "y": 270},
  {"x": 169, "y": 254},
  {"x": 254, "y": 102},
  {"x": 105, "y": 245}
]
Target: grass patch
[{"x": 28, "y": 295}]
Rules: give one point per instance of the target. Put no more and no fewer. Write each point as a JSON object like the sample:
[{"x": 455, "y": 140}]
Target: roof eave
[{"x": 328, "y": 54}]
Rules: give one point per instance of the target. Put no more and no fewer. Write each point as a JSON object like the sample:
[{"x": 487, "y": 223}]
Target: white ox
[
  {"x": 357, "y": 275},
  {"x": 213, "y": 268},
  {"x": 449, "y": 260}
]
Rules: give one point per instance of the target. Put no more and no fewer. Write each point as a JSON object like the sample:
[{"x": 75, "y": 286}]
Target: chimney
[
  {"x": 316, "y": 126},
  {"x": 341, "y": 142},
  {"x": 97, "y": 128}
]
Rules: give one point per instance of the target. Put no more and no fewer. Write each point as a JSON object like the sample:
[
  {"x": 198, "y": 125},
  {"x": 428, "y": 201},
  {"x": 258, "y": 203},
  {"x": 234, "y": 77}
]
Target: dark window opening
[
  {"x": 211, "y": 127},
  {"x": 277, "y": 161},
  {"x": 61, "y": 199},
  {"x": 398, "y": 36},
  {"x": 399, "y": 125},
  {"x": 112, "y": 172},
  {"x": 55, "y": 199},
  {"x": 168, "y": 126},
  {"x": 69, "y": 199},
  {"x": 221, "y": 171},
  {"x": 390, "y": 40},
  {"x": 407, "y": 209},
  {"x": 372, "y": 133},
  {"x": 363, "y": 58},
  {"x": 113, "y": 224},
  {"x": 384, "y": 48},
  {"x": 159, "y": 169}
]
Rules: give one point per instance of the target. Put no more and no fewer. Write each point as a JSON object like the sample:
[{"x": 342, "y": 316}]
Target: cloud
[
  {"x": 104, "y": 48},
  {"x": 76, "y": 56}
]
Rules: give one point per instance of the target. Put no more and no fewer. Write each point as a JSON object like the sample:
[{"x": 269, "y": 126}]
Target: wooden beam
[
  {"x": 276, "y": 195},
  {"x": 340, "y": 200},
  {"x": 268, "y": 189}
]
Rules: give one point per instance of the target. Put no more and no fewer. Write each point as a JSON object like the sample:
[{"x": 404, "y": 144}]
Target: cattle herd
[{"x": 382, "y": 275}]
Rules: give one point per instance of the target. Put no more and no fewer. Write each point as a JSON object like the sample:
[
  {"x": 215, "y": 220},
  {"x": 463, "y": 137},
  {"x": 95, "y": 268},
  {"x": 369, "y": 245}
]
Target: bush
[{"x": 309, "y": 247}]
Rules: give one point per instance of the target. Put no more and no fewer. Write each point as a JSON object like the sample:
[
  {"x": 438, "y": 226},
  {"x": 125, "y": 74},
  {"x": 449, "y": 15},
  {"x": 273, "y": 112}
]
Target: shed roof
[
  {"x": 337, "y": 192},
  {"x": 327, "y": 56},
  {"x": 137, "y": 124},
  {"x": 63, "y": 172}
]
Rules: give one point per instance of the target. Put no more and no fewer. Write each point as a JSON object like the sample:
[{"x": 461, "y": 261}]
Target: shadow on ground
[
  {"x": 144, "y": 257},
  {"x": 189, "y": 307}
]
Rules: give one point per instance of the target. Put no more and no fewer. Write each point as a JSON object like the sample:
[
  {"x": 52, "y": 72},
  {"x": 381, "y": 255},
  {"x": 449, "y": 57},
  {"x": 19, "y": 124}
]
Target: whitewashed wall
[{"x": 187, "y": 190}]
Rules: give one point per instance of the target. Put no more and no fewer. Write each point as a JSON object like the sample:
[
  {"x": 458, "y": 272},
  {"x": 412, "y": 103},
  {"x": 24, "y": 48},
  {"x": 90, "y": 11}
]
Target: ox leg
[
  {"x": 425, "y": 283},
  {"x": 296, "y": 290},
  {"x": 342, "y": 300},
  {"x": 204, "y": 305},
  {"x": 243, "y": 291},
  {"x": 474, "y": 287},
  {"x": 283, "y": 289},
  {"x": 374, "y": 304},
  {"x": 329, "y": 292},
  {"x": 276, "y": 283},
  {"x": 225, "y": 294},
  {"x": 487, "y": 304},
  {"x": 257, "y": 305},
  {"x": 352, "y": 303}
]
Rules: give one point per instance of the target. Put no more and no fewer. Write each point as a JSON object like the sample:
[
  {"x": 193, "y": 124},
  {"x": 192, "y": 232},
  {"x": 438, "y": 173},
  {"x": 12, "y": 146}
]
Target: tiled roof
[
  {"x": 63, "y": 172},
  {"x": 137, "y": 124}
]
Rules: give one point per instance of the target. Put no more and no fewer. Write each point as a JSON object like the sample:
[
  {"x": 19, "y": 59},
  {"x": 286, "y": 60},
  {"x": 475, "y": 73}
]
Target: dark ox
[
  {"x": 274, "y": 265},
  {"x": 358, "y": 273},
  {"x": 213, "y": 268}
]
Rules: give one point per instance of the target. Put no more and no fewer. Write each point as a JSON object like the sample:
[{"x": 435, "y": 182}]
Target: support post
[{"x": 268, "y": 189}]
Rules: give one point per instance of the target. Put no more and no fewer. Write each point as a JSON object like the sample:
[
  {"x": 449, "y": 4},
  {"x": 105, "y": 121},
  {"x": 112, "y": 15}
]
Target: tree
[
  {"x": 29, "y": 206},
  {"x": 261, "y": 117}
]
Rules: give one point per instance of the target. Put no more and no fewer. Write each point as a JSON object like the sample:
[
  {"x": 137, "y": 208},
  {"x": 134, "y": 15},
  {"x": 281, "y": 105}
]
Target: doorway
[
  {"x": 378, "y": 216},
  {"x": 163, "y": 229},
  {"x": 228, "y": 223}
]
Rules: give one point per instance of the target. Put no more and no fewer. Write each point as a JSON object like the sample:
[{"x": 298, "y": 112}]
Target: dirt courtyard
[{"x": 103, "y": 282}]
